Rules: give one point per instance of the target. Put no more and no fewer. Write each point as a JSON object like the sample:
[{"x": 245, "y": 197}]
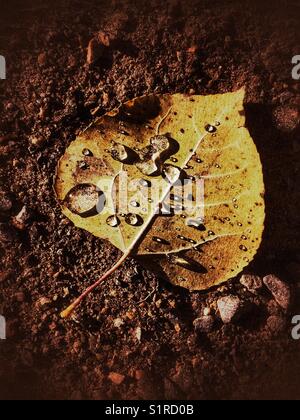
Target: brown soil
[{"x": 48, "y": 97}]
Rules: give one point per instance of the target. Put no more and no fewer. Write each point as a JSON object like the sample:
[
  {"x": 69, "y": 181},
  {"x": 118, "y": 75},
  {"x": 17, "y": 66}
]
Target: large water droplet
[
  {"x": 172, "y": 173},
  {"x": 160, "y": 143},
  {"x": 133, "y": 219},
  {"x": 196, "y": 224},
  {"x": 85, "y": 200},
  {"x": 113, "y": 221}
]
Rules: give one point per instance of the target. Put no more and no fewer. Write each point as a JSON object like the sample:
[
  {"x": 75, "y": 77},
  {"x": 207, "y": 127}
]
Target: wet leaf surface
[{"x": 154, "y": 143}]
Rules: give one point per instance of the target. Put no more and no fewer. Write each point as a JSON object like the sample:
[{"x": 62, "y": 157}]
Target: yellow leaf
[{"x": 153, "y": 143}]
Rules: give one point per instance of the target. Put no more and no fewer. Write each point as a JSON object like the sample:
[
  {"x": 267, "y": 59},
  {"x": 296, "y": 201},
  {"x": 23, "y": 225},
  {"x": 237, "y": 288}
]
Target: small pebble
[{"x": 280, "y": 290}]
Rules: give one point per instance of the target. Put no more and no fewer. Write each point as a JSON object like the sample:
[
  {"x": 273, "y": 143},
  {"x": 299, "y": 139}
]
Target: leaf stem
[{"x": 68, "y": 312}]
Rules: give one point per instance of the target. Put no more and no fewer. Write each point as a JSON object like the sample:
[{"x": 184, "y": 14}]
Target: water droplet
[
  {"x": 196, "y": 224},
  {"x": 148, "y": 167},
  {"x": 85, "y": 200},
  {"x": 187, "y": 263},
  {"x": 172, "y": 173},
  {"x": 133, "y": 219},
  {"x": 183, "y": 238},
  {"x": 174, "y": 160},
  {"x": 183, "y": 216},
  {"x": 234, "y": 200},
  {"x": 199, "y": 160},
  {"x": 113, "y": 221},
  {"x": 160, "y": 143},
  {"x": 218, "y": 124},
  {"x": 134, "y": 204},
  {"x": 218, "y": 166},
  {"x": 119, "y": 152},
  {"x": 227, "y": 219},
  {"x": 236, "y": 206},
  {"x": 83, "y": 165},
  {"x": 210, "y": 128},
  {"x": 160, "y": 240},
  {"x": 187, "y": 167},
  {"x": 175, "y": 198},
  {"x": 211, "y": 233},
  {"x": 244, "y": 238},
  {"x": 144, "y": 183},
  {"x": 87, "y": 152},
  {"x": 240, "y": 224},
  {"x": 243, "y": 248}
]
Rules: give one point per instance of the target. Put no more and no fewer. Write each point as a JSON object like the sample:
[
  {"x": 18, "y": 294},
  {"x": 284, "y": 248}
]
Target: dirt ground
[{"x": 134, "y": 337}]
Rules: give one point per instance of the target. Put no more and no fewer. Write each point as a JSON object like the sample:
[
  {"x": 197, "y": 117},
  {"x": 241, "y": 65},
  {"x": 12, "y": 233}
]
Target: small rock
[
  {"x": 280, "y": 290},
  {"x": 116, "y": 378},
  {"x": 21, "y": 219},
  {"x": 138, "y": 334},
  {"x": 204, "y": 324},
  {"x": 230, "y": 308},
  {"x": 42, "y": 58},
  {"x": 207, "y": 311},
  {"x": 118, "y": 322},
  {"x": 253, "y": 283},
  {"x": 43, "y": 302},
  {"x": 276, "y": 324}
]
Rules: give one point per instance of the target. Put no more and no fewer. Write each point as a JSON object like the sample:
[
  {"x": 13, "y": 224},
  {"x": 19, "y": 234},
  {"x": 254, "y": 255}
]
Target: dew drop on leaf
[
  {"x": 210, "y": 128},
  {"x": 160, "y": 240},
  {"x": 133, "y": 219},
  {"x": 243, "y": 248},
  {"x": 119, "y": 152},
  {"x": 134, "y": 204},
  {"x": 87, "y": 152},
  {"x": 85, "y": 200},
  {"x": 196, "y": 224},
  {"x": 113, "y": 221},
  {"x": 144, "y": 183},
  {"x": 172, "y": 173}
]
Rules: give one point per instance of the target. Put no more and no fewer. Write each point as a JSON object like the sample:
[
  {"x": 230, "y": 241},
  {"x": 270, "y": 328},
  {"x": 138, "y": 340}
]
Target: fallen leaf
[{"x": 154, "y": 142}]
